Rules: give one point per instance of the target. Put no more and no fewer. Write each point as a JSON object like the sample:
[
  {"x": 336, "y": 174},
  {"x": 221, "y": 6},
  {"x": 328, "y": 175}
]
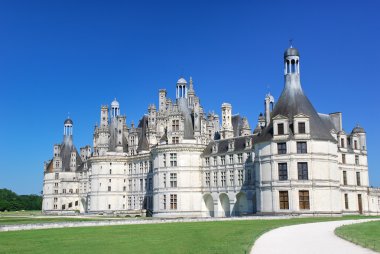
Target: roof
[
  {"x": 68, "y": 121},
  {"x": 143, "y": 144},
  {"x": 292, "y": 102},
  {"x": 239, "y": 145},
  {"x": 181, "y": 81},
  {"x": 358, "y": 129},
  {"x": 291, "y": 52},
  {"x": 115, "y": 103},
  {"x": 67, "y": 147}
]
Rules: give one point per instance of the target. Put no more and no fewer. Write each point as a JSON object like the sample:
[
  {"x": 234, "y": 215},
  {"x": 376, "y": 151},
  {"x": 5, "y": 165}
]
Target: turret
[
  {"x": 73, "y": 161},
  {"x": 104, "y": 116},
  {"x": 181, "y": 88},
  {"x": 68, "y": 127},
  {"x": 362, "y": 137},
  {"x": 227, "y": 129},
  {"x": 269, "y": 103},
  {"x": 291, "y": 61},
  {"x": 191, "y": 94},
  {"x": 162, "y": 100},
  {"x": 115, "y": 109}
]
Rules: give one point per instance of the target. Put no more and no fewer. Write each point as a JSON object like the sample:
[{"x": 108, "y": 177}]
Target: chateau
[{"x": 180, "y": 161}]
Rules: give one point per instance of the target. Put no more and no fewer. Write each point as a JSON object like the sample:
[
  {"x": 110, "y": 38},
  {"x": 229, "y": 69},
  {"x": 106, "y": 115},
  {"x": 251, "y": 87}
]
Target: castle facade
[{"x": 180, "y": 161}]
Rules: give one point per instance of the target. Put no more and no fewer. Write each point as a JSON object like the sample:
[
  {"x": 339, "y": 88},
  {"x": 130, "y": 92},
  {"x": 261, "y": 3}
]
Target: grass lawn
[
  {"x": 31, "y": 220},
  {"x": 365, "y": 234},
  {"x": 196, "y": 237},
  {"x": 21, "y": 213}
]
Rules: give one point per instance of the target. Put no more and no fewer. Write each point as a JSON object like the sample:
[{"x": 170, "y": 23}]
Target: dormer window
[
  {"x": 231, "y": 145},
  {"x": 280, "y": 129},
  {"x": 355, "y": 144},
  {"x": 342, "y": 142},
  {"x": 301, "y": 128},
  {"x": 214, "y": 148}
]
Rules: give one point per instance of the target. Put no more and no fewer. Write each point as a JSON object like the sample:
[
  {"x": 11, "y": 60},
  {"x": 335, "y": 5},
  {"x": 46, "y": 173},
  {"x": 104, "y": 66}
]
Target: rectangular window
[
  {"x": 173, "y": 160},
  {"x": 130, "y": 168},
  {"x": 231, "y": 158},
  {"x": 240, "y": 158},
  {"x": 215, "y": 178},
  {"x": 129, "y": 202},
  {"x": 175, "y": 125},
  {"x": 280, "y": 129},
  {"x": 284, "y": 200},
  {"x": 208, "y": 179},
  {"x": 281, "y": 148},
  {"x": 207, "y": 161},
  {"x": 76, "y": 203},
  {"x": 130, "y": 184},
  {"x": 175, "y": 140},
  {"x": 301, "y": 147},
  {"x": 301, "y": 128},
  {"x": 141, "y": 184},
  {"x": 240, "y": 177},
  {"x": 304, "y": 200},
  {"x": 164, "y": 202},
  {"x": 357, "y": 160},
  {"x": 302, "y": 171},
  {"x": 344, "y": 177},
  {"x": 346, "y": 201},
  {"x": 232, "y": 178},
  {"x": 173, "y": 201},
  {"x": 173, "y": 180},
  {"x": 56, "y": 176},
  {"x": 342, "y": 142},
  {"x": 355, "y": 144},
  {"x": 358, "y": 183},
  {"x": 223, "y": 160},
  {"x": 223, "y": 178},
  {"x": 164, "y": 180},
  {"x": 282, "y": 171},
  {"x": 343, "y": 158},
  {"x": 215, "y": 161},
  {"x": 109, "y": 188}
]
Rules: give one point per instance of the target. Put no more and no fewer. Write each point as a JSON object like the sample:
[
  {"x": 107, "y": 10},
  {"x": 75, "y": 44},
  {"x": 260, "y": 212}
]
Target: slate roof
[{"x": 292, "y": 102}]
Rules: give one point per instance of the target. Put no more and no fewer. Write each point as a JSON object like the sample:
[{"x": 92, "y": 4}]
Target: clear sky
[{"x": 73, "y": 56}]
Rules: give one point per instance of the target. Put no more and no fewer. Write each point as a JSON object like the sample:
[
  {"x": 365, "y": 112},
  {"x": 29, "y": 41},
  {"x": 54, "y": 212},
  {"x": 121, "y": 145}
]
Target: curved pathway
[{"x": 308, "y": 238}]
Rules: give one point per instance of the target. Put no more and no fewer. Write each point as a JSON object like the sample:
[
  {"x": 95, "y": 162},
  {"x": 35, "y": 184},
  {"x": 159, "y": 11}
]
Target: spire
[{"x": 191, "y": 85}]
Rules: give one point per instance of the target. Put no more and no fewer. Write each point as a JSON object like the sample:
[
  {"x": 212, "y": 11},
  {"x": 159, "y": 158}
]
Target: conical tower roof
[{"x": 293, "y": 102}]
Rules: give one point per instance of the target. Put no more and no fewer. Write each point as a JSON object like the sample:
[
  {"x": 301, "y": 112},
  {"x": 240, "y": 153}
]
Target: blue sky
[{"x": 73, "y": 56}]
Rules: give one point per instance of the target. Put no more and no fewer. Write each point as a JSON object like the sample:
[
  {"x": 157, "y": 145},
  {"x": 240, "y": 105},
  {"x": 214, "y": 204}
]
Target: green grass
[
  {"x": 195, "y": 237},
  {"x": 31, "y": 220},
  {"x": 21, "y": 213},
  {"x": 366, "y": 234}
]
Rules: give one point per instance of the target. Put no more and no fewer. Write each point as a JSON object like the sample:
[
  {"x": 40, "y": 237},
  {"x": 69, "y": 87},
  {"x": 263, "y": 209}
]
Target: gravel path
[{"x": 308, "y": 238}]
